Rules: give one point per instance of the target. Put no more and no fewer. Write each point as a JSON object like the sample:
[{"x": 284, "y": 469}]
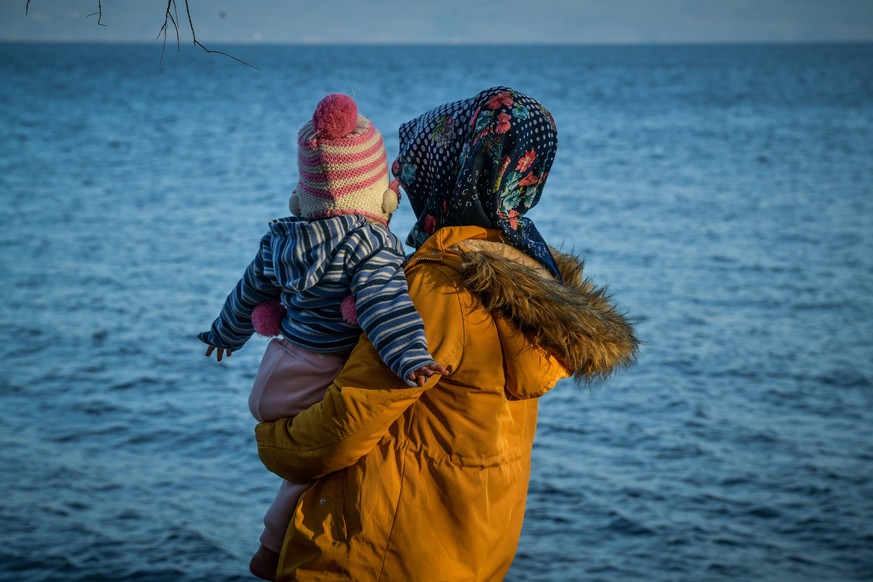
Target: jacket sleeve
[
  {"x": 366, "y": 398},
  {"x": 384, "y": 308},
  {"x": 233, "y": 327}
]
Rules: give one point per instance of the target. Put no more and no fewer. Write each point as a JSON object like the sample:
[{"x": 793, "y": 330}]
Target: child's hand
[
  {"x": 421, "y": 375},
  {"x": 219, "y": 354}
]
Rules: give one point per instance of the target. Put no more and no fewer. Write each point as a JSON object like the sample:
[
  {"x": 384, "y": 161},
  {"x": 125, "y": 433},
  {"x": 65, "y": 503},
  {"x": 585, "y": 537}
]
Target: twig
[
  {"x": 198, "y": 43},
  {"x": 99, "y": 12},
  {"x": 169, "y": 19},
  {"x": 171, "y": 16}
]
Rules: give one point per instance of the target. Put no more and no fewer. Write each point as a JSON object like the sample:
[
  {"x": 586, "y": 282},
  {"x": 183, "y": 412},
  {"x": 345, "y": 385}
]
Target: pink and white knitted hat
[{"x": 342, "y": 165}]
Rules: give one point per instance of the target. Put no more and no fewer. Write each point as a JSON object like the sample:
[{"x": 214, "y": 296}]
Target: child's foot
[{"x": 264, "y": 564}]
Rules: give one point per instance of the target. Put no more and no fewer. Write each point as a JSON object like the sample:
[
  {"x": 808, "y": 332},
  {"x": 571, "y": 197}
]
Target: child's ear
[{"x": 294, "y": 204}]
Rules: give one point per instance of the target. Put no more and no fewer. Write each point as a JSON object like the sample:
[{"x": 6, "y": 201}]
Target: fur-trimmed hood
[{"x": 575, "y": 321}]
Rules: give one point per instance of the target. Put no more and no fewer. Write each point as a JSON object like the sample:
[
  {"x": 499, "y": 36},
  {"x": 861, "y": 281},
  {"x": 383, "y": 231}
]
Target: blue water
[{"x": 725, "y": 193}]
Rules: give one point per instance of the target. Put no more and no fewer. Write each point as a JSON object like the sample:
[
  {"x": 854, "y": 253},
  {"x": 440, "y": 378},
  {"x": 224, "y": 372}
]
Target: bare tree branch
[
  {"x": 174, "y": 20},
  {"x": 198, "y": 43},
  {"x": 168, "y": 18},
  {"x": 171, "y": 16},
  {"x": 99, "y": 13}
]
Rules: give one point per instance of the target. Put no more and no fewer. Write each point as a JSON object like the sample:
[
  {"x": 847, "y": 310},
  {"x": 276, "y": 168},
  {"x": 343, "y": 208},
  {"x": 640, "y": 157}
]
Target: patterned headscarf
[{"x": 481, "y": 161}]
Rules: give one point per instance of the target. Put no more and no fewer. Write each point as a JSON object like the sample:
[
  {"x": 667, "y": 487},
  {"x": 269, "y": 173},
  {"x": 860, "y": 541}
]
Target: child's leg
[
  {"x": 279, "y": 515},
  {"x": 291, "y": 379},
  {"x": 264, "y": 564}
]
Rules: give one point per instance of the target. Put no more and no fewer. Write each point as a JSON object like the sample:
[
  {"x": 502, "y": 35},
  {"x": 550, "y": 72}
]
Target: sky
[{"x": 448, "y": 21}]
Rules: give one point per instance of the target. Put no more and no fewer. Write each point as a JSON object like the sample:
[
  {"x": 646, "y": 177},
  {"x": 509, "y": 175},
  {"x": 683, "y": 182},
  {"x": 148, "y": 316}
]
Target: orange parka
[{"x": 428, "y": 484}]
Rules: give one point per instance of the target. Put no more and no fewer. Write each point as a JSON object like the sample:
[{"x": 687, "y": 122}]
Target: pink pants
[{"x": 290, "y": 379}]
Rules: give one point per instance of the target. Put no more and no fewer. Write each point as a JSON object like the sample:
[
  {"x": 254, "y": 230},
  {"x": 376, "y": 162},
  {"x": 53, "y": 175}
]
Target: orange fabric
[{"x": 424, "y": 483}]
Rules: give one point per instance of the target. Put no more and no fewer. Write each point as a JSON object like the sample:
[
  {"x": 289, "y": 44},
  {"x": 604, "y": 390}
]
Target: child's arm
[
  {"x": 233, "y": 327},
  {"x": 385, "y": 311}
]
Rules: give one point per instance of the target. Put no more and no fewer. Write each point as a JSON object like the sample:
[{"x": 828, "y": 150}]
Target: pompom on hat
[{"x": 342, "y": 165}]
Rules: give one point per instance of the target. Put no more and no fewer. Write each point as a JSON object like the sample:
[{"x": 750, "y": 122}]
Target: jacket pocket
[
  {"x": 351, "y": 501},
  {"x": 321, "y": 510}
]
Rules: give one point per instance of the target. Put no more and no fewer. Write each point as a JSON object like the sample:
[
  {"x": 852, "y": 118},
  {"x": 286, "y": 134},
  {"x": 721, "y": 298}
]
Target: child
[{"x": 336, "y": 268}]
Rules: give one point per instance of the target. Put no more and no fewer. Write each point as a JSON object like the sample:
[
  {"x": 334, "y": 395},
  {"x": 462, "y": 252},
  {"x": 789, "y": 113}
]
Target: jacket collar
[
  {"x": 574, "y": 320},
  {"x": 439, "y": 243}
]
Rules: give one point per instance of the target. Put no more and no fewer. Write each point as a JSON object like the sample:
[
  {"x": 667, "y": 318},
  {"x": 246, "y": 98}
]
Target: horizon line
[{"x": 247, "y": 43}]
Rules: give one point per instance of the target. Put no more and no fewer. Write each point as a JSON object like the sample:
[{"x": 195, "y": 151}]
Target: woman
[{"x": 430, "y": 483}]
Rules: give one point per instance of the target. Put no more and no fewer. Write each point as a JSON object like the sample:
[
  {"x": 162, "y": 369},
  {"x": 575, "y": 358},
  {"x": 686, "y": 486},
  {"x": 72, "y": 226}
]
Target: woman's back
[{"x": 440, "y": 492}]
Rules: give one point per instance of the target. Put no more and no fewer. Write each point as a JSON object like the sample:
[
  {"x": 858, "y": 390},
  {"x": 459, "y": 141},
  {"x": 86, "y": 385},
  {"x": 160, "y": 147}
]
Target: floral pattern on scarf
[{"x": 481, "y": 161}]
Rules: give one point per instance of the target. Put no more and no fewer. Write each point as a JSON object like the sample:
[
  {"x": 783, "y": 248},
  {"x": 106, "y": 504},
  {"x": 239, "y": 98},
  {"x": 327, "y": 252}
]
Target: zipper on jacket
[{"x": 432, "y": 257}]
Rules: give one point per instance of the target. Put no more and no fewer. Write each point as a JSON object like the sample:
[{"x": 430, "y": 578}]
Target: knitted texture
[
  {"x": 335, "y": 116},
  {"x": 342, "y": 175}
]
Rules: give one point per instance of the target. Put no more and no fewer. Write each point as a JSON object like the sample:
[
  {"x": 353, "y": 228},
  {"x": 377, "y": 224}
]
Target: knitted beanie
[{"x": 342, "y": 165}]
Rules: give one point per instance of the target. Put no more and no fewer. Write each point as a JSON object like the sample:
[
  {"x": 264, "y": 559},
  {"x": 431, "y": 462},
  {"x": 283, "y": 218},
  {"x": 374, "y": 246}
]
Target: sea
[{"x": 724, "y": 193}]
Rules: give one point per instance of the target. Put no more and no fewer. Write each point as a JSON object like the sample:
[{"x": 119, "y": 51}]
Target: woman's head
[{"x": 481, "y": 161}]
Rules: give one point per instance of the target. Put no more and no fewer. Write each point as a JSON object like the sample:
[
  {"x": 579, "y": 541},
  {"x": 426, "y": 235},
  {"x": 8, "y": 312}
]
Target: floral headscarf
[{"x": 481, "y": 161}]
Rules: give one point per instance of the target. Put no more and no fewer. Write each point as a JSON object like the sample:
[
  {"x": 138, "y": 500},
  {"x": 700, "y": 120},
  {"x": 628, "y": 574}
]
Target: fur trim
[{"x": 574, "y": 321}]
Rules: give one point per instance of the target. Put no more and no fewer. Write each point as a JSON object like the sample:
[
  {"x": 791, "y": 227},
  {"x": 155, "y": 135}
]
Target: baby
[{"x": 332, "y": 270}]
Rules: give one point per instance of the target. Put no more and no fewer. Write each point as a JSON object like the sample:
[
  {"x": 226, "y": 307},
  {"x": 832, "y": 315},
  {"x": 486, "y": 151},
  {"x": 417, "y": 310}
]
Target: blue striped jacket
[{"x": 311, "y": 266}]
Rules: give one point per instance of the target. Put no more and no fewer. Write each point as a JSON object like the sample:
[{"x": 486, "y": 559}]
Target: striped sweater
[{"x": 311, "y": 266}]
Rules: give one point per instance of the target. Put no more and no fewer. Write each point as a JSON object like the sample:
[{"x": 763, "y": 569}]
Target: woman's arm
[
  {"x": 366, "y": 398},
  {"x": 333, "y": 433}
]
